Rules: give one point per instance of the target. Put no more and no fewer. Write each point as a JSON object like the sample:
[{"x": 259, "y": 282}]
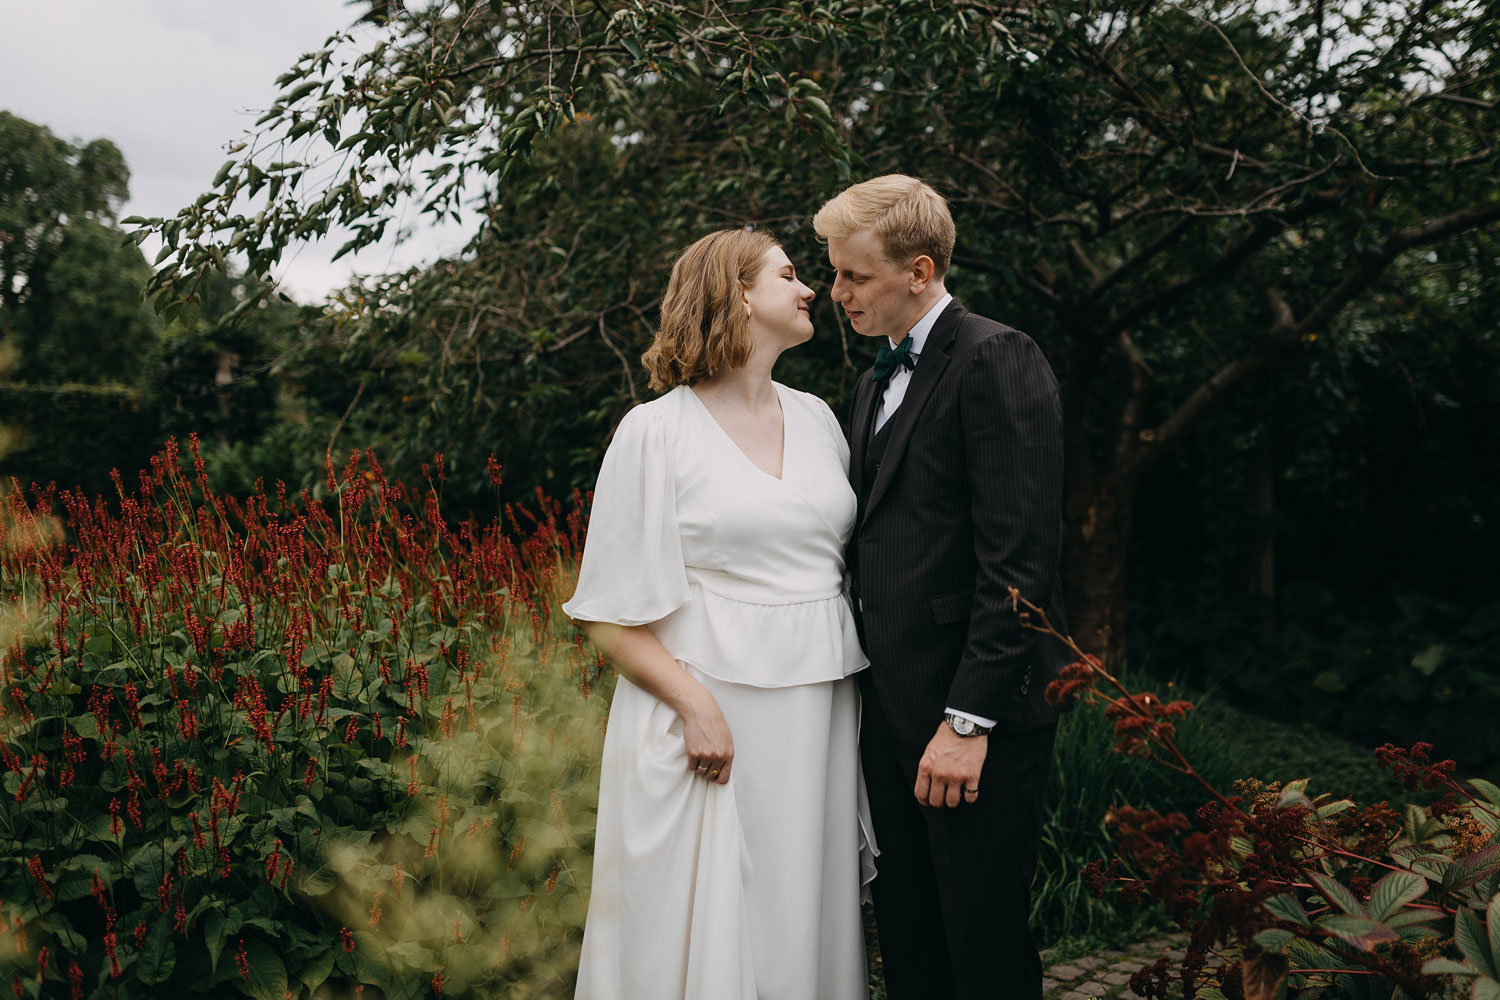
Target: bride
[{"x": 733, "y": 836}]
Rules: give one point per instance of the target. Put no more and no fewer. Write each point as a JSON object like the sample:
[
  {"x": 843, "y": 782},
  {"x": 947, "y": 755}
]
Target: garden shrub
[
  {"x": 1284, "y": 890},
  {"x": 74, "y": 434},
  {"x": 258, "y": 745}
]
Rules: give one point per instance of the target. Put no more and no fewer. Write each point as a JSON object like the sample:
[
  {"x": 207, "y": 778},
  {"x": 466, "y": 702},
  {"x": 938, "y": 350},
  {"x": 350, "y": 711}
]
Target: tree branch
[
  {"x": 1286, "y": 332},
  {"x": 1142, "y": 257},
  {"x": 1135, "y": 400},
  {"x": 1367, "y": 270},
  {"x": 1261, "y": 232}
]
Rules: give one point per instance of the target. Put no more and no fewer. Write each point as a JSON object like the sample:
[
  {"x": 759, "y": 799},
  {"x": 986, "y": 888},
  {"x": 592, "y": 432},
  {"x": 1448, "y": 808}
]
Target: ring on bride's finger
[
  {"x": 702, "y": 768},
  {"x": 714, "y": 773}
]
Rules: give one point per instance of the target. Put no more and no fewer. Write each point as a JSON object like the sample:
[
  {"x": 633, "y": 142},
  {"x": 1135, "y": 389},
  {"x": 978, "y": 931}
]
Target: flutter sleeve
[{"x": 632, "y": 570}]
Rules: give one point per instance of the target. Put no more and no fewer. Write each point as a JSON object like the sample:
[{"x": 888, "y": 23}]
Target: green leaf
[
  {"x": 157, "y": 956},
  {"x": 317, "y": 971},
  {"x": 146, "y": 868},
  {"x": 1447, "y": 967},
  {"x": 1433, "y": 865},
  {"x": 213, "y": 935},
  {"x": 1485, "y": 989},
  {"x": 1394, "y": 891},
  {"x": 1338, "y": 894},
  {"x": 1473, "y": 941},
  {"x": 406, "y": 988},
  {"x": 320, "y": 883},
  {"x": 1329, "y": 682},
  {"x": 1328, "y": 809},
  {"x": 75, "y": 876},
  {"x": 1362, "y": 932},
  {"x": 1275, "y": 939},
  {"x": 1428, "y": 660},
  {"x": 1468, "y": 870},
  {"x": 1487, "y": 789},
  {"x": 267, "y": 973},
  {"x": 299, "y": 92},
  {"x": 1285, "y": 906},
  {"x": 1492, "y": 918}
]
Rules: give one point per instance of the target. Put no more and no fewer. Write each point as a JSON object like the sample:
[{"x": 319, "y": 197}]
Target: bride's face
[{"x": 778, "y": 304}]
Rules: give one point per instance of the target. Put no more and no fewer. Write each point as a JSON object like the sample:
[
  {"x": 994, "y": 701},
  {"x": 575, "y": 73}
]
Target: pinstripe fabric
[
  {"x": 965, "y": 502},
  {"x": 960, "y": 498}
]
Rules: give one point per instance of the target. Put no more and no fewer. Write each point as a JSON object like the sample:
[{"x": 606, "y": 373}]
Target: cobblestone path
[{"x": 1103, "y": 976}]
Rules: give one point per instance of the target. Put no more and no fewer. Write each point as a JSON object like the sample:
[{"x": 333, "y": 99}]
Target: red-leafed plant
[{"x": 1285, "y": 891}]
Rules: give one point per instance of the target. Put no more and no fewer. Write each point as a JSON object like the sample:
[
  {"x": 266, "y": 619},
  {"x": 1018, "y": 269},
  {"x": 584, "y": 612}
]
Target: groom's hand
[{"x": 950, "y": 764}]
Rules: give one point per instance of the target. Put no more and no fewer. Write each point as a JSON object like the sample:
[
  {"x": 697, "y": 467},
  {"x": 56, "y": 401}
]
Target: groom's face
[{"x": 877, "y": 295}]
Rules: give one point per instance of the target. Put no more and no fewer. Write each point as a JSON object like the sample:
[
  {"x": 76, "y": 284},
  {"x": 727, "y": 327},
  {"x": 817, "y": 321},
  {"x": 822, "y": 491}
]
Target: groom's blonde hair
[{"x": 910, "y": 218}]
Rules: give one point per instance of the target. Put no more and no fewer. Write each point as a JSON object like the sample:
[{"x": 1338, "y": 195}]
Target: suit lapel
[
  {"x": 924, "y": 378},
  {"x": 859, "y": 431}
]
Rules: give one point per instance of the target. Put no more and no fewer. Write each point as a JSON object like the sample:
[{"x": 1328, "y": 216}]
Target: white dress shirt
[
  {"x": 895, "y": 389},
  {"x": 895, "y": 392}
]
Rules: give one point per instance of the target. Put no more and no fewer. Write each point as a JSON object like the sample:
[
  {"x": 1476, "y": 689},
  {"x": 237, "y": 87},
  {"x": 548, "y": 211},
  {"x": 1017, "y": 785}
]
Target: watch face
[{"x": 961, "y": 726}]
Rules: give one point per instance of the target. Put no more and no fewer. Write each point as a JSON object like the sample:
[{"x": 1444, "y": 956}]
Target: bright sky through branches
[{"x": 172, "y": 83}]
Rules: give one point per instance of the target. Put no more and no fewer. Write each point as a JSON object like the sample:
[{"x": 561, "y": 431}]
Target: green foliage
[
  {"x": 1280, "y": 887},
  {"x": 1369, "y": 485},
  {"x": 253, "y": 747},
  {"x": 85, "y": 321},
  {"x": 69, "y": 291},
  {"x": 1089, "y": 780},
  {"x": 73, "y": 434},
  {"x": 1267, "y": 750}
]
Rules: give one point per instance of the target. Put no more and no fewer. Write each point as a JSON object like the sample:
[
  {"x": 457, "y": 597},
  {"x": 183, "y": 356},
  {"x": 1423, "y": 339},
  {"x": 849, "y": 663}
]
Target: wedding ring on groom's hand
[{"x": 971, "y": 791}]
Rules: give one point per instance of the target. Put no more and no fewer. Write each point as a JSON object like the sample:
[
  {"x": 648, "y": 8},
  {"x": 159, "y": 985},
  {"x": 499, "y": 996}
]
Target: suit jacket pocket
[{"x": 951, "y": 607}]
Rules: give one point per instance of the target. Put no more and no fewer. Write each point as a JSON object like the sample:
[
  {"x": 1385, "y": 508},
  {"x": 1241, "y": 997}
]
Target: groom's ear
[{"x": 922, "y": 270}]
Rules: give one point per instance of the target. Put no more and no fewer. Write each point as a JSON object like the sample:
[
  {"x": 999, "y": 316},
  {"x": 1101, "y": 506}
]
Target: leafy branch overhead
[{"x": 441, "y": 103}]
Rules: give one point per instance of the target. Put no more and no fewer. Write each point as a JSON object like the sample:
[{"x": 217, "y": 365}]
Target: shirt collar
[{"x": 918, "y": 333}]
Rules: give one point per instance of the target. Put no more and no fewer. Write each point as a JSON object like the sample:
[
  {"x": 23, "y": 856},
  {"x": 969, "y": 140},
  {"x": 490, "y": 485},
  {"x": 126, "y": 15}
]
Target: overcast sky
[{"x": 172, "y": 83}]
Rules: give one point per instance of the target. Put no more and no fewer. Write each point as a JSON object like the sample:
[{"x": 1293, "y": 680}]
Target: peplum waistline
[{"x": 763, "y": 645}]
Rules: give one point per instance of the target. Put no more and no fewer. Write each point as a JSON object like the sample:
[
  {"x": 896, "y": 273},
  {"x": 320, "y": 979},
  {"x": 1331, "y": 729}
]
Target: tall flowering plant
[
  {"x": 1285, "y": 890},
  {"x": 285, "y": 744}
]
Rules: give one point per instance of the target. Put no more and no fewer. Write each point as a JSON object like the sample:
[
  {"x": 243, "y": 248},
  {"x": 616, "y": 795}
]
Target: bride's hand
[{"x": 710, "y": 748}]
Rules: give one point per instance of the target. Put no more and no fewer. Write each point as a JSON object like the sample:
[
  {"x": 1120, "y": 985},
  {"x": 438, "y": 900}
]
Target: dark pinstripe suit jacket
[{"x": 966, "y": 502}]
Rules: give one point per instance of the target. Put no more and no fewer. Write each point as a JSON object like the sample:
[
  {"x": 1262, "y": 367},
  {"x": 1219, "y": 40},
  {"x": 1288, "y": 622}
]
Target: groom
[{"x": 956, "y": 458}]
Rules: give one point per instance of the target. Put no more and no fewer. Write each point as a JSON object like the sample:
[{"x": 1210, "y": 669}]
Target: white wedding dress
[{"x": 748, "y": 890}]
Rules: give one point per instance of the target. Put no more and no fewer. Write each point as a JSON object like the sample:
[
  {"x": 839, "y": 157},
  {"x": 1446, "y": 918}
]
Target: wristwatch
[{"x": 965, "y": 727}]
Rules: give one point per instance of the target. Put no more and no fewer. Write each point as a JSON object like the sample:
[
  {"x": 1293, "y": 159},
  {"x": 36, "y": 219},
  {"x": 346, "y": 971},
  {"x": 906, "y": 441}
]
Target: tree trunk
[
  {"x": 1263, "y": 509},
  {"x": 1096, "y": 537}
]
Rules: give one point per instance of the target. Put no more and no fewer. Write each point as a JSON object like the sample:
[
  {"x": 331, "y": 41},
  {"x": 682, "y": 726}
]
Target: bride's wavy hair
[{"x": 704, "y": 327}]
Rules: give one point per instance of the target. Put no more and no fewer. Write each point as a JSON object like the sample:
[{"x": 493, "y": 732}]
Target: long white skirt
[{"x": 748, "y": 890}]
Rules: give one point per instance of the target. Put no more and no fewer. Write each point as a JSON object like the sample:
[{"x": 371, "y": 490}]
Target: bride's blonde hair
[{"x": 704, "y": 328}]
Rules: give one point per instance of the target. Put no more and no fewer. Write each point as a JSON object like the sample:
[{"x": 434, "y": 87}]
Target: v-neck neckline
[{"x": 780, "y": 402}]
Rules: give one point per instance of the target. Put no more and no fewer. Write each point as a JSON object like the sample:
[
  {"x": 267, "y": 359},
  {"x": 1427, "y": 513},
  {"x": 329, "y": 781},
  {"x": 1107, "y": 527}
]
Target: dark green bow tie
[{"x": 891, "y": 358}]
